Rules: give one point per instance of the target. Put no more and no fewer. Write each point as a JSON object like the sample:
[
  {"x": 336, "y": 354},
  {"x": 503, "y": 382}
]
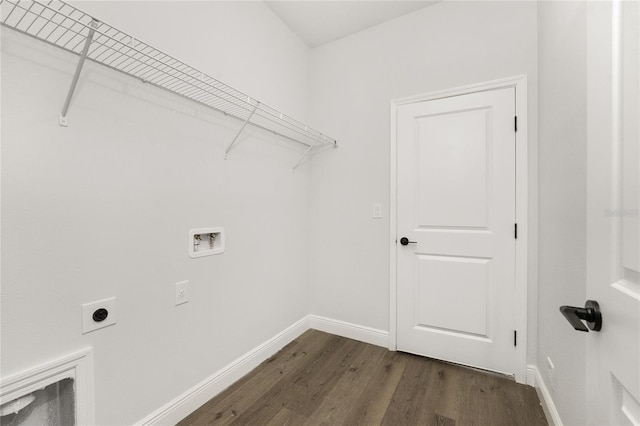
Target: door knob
[
  {"x": 404, "y": 241},
  {"x": 590, "y": 313}
]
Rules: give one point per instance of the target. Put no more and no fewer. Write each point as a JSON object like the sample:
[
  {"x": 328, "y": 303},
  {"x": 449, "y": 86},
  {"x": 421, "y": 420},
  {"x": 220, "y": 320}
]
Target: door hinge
[
  {"x": 515, "y": 338},
  {"x": 515, "y": 123},
  {"x": 515, "y": 231}
]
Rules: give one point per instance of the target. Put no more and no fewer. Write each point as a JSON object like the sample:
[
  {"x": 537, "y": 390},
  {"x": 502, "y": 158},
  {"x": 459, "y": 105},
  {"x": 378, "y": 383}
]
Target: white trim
[
  {"x": 186, "y": 403},
  {"x": 531, "y": 375},
  {"x": 522, "y": 195},
  {"x": 77, "y": 366},
  {"x": 393, "y": 221},
  {"x": 462, "y": 90},
  {"x": 548, "y": 406},
  {"x": 522, "y": 219},
  {"x": 349, "y": 330}
]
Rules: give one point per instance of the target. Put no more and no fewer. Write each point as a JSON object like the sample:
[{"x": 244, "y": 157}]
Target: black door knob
[
  {"x": 405, "y": 241},
  {"x": 590, "y": 313}
]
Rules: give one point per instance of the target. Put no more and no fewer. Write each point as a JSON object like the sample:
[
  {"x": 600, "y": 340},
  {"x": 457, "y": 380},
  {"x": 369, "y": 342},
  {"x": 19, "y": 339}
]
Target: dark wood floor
[{"x": 321, "y": 379}]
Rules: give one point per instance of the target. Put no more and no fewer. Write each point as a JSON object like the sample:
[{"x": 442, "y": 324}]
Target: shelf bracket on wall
[
  {"x": 306, "y": 153},
  {"x": 76, "y": 76},
  {"x": 241, "y": 129}
]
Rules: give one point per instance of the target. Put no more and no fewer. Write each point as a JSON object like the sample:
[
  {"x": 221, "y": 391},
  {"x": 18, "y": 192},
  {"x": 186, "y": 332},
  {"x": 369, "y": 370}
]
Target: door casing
[{"x": 522, "y": 193}]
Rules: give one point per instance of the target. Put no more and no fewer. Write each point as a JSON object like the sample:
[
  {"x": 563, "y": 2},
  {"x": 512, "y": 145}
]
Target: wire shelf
[{"x": 69, "y": 28}]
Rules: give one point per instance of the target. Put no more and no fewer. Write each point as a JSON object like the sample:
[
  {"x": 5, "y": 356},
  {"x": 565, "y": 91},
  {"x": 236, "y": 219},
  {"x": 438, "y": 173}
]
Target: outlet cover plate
[
  {"x": 89, "y": 324},
  {"x": 182, "y": 292}
]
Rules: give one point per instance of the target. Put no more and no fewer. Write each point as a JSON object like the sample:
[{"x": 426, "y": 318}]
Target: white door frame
[{"x": 522, "y": 254}]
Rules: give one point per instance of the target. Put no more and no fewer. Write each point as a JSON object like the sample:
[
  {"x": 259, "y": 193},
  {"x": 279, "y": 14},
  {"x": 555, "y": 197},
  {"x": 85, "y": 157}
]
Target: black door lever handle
[
  {"x": 404, "y": 241},
  {"x": 590, "y": 313}
]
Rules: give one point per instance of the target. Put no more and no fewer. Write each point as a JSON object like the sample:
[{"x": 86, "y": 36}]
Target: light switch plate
[
  {"x": 377, "y": 211},
  {"x": 88, "y": 310}
]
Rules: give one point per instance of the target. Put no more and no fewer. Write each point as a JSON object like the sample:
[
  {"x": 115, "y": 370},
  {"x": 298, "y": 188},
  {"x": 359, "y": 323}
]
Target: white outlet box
[
  {"x": 206, "y": 242},
  {"x": 94, "y": 316},
  {"x": 182, "y": 292}
]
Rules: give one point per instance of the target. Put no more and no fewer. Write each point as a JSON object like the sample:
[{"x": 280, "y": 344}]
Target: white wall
[
  {"x": 562, "y": 238},
  {"x": 244, "y": 44},
  {"x": 447, "y": 45},
  {"x": 102, "y": 208}
]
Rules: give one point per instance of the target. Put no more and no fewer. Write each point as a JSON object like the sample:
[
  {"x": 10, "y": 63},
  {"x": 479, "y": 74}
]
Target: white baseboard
[
  {"x": 349, "y": 330},
  {"x": 192, "y": 399},
  {"x": 531, "y": 375},
  {"x": 550, "y": 410}
]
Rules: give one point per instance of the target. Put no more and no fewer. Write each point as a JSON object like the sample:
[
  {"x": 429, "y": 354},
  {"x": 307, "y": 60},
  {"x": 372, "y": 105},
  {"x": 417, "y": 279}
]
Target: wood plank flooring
[{"x": 322, "y": 379}]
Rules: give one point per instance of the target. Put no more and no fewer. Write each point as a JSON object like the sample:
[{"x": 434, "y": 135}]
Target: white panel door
[
  {"x": 456, "y": 204},
  {"x": 613, "y": 232}
]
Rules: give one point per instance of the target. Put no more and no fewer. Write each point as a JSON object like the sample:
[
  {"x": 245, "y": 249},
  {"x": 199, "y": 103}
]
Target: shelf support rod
[
  {"x": 241, "y": 129},
  {"x": 306, "y": 152},
  {"x": 76, "y": 76}
]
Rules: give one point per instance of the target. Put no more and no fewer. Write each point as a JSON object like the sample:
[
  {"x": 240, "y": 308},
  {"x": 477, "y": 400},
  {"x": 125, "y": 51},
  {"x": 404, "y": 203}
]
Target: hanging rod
[{"x": 71, "y": 29}]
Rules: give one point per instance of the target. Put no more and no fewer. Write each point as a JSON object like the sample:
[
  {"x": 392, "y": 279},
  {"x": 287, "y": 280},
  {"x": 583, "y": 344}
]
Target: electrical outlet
[
  {"x": 98, "y": 314},
  {"x": 182, "y": 292}
]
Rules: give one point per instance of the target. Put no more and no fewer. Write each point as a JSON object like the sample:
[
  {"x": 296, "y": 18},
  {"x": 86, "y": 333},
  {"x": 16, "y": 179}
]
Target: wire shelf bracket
[
  {"x": 240, "y": 131},
  {"x": 65, "y": 26},
  {"x": 76, "y": 75},
  {"x": 305, "y": 154}
]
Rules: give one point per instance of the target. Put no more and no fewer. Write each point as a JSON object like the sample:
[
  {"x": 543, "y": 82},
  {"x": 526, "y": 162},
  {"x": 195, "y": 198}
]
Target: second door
[{"x": 456, "y": 209}]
